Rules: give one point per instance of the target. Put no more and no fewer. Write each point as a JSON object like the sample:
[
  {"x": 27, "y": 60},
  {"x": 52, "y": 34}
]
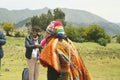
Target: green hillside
[{"x": 102, "y": 62}]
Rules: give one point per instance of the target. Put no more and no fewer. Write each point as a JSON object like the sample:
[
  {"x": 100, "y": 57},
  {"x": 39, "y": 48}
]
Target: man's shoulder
[
  {"x": 28, "y": 37},
  {"x": 1, "y": 32}
]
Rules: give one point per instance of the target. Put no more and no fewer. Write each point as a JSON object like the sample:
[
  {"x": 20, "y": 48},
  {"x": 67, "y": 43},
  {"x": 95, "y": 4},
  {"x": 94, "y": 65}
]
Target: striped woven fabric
[{"x": 65, "y": 59}]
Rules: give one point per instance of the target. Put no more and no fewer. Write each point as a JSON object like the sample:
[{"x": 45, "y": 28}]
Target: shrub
[
  {"x": 19, "y": 34},
  {"x": 118, "y": 38},
  {"x": 102, "y": 41}
]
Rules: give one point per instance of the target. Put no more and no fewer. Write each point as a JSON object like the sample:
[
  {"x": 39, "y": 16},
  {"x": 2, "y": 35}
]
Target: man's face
[{"x": 34, "y": 33}]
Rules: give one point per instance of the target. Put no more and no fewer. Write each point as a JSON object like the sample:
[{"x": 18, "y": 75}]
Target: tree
[
  {"x": 118, "y": 38},
  {"x": 71, "y": 32},
  {"x": 83, "y": 33},
  {"x": 77, "y": 34},
  {"x": 35, "y": 21},
  {"x": 59, "y": 15},
  {"x": 43, "y": 21},
  {"x": 95, "y": 32},
  {"x": 50, "y": 16},
  {"x": 8, "y": 26},
  {"x": 102, "y": 41},
  {"x": 28, "y": 24}
]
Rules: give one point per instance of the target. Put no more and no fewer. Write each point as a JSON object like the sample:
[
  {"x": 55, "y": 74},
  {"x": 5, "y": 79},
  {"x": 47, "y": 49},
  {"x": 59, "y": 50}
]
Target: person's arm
[
  {"x": 29, "y": 44},
  {"x": 2, "y": 38},
  {"x": 43, "y": 42}
]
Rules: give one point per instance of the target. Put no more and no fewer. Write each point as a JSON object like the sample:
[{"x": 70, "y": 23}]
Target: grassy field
[{"x": 102, "y": 62}]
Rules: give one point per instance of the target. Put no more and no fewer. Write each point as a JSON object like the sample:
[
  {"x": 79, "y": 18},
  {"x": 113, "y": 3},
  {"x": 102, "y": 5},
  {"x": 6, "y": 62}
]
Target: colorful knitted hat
[{"x": 56, "y": 28}]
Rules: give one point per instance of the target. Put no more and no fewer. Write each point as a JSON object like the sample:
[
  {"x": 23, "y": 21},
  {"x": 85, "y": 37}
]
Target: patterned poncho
[{"x": 65, "y": 59}]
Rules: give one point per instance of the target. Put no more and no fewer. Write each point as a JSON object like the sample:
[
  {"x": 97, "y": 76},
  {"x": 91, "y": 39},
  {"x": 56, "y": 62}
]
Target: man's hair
[{"x": 36, "y": 28}]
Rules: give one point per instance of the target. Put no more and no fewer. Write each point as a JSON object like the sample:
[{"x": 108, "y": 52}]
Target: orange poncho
[{"x": 65, "y": 59}]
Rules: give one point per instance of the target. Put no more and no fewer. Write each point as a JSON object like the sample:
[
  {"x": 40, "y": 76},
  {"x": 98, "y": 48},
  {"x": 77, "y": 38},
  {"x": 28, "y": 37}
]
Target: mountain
[
  {"x": 19, "y": 15},
  {"x": 80, "y": 17},
  {"x": 23, "y": 22},
  {"x": 118, "y": 24},
  {"x": 74, "y": 16}
]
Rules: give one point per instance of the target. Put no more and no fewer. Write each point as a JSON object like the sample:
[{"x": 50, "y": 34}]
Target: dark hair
[{"x": 36, "y": 28}]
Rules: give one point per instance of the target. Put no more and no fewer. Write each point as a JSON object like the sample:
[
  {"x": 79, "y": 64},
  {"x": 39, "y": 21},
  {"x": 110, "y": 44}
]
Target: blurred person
[
  {"x": 33, "y": 49},
  {"x": 60, "y": 56},
  {"x": 2, "y": 42}
]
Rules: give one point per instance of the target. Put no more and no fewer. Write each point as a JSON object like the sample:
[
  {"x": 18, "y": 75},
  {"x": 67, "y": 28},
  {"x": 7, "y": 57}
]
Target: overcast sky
[{"x": 107, "y": 9}]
